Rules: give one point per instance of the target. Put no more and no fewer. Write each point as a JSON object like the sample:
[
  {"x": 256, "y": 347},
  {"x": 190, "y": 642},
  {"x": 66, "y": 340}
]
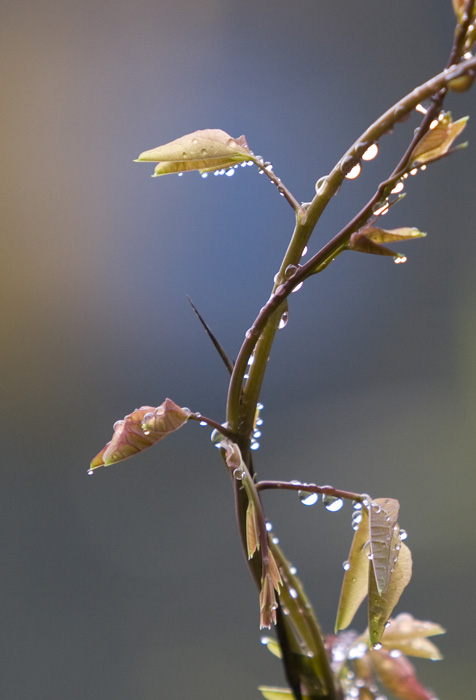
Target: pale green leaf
[
  {"x": 204, "y": 150},
  {"x": 381, "y": 606},
  {"x": 356, "y": 578},
  {"x": 437, "y": 142},
  {"x": 383, "y": 516}
]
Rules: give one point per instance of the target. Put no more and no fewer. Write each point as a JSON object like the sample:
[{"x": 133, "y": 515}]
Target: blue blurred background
[{"x": 131, "y": 584}]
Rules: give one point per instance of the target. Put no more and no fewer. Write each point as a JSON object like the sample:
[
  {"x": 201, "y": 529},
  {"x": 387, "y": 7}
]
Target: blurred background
[{"x": 131, "y": 583}]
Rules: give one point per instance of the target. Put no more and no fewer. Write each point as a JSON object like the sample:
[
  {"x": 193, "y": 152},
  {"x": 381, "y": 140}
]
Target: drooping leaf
[
  {"x": 399, "y": 676},
  {"x": 437, "y": 142},
  {"x": 381, "y": 606},
  {"x": 409, "y": 636},
  {"x": 139, "y": 430},
  {"x": 383, "y": 516},
  {"x": 271, "y": 693},
  {"x": 204, "y": 150},
  {"x": 356, "y": 578}
]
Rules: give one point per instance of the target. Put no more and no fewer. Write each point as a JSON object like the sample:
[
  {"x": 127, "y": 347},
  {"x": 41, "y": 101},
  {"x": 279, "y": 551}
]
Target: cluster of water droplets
[
  {"x": 257, "y": 428},
  {"x": 225, "y": 171},
  {"x": 310, "y": 498}
]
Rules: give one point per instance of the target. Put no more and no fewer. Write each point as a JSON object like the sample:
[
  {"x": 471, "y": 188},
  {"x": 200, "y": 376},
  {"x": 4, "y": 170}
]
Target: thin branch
[
  {"x": 460, "y": 34},
  {"x": 267, "y": 169},
  {"x": 213, "y": 424},
  {"x": 311, "y": 488},
  {"x": 218, "y": 346}
]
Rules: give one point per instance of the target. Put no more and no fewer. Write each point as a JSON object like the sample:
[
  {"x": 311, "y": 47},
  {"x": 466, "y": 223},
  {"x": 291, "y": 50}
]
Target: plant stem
[{"x": 311, "y": 488}]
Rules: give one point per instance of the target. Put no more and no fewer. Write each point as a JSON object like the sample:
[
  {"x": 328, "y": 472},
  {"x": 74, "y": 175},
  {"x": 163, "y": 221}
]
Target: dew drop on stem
[
  {"x": 371, "y": 152},
  {"x": 308, "y": 499},
  {"x": 346, "y": 565},
  {"x": 283, "y": 321},
  {"x": 331, "y": 503},
  {"x": 354, "y": 172}
]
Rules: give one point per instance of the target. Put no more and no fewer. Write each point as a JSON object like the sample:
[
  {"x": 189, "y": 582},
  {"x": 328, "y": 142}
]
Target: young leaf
[
  {"x": 381, "y": 606},
  {"x": 361, "y": 243},
  {"x": 409, "y": 636},
  {"x": 399, "y": 676},
  {"x": 437, "y": 142},
  {"x": 356, "y": 578},
  {"x": 204, "y": 150},
  {"x": 139, "y": 430},
  {"x": 383, "y": 516},
  {"x": 273, "y": 646}
]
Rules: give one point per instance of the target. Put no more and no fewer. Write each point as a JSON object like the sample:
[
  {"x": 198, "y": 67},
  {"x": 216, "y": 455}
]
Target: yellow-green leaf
[
  {"x": 437, "y": 142},
  {"x": 204, "y": 150},
  {"x": 271, "y": 693},
  {"x": 383, "y": 516},
  {"x": 356, "y": 577},
  {"x": 272, "y": 646},
  {"x": 381, "y": 606},
  {"x": 395, "y": 235}
]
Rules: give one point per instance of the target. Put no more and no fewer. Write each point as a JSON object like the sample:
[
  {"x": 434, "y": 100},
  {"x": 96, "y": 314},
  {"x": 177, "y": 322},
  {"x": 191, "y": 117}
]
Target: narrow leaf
[
  {"x": 395, "y": 235},
  {"x": 381, "y": 606},
  {"x": 271, "y": 693},
  {"x": 139, "y": 430},
  {"x": 204, "y": 150},
  {"x": 356, "y": 577},
  {"x": 383, "y": 516},
  {"x": 252, "y": 530},
  {"x": 437, "y": 142},
  {"x": 399, "y": 676}
]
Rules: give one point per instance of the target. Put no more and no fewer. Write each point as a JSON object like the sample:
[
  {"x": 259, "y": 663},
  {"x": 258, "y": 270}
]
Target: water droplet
[
  {"x": 259, "y": 406},
  {"x": 395, "y": 653},
  {"x": 293, "y": 593},
  {"x": 376, "y": 507},
  {"x": 370, "y": 556},
  {"x": 230, "y": 172},
  {"x": 254, "y": 446},
  {"x": 357, "y": 505},
  {"x": 304, "y": 251},
  {"x": 202, "y": 422},
  {"x": 290, "y": 271},
  {"x": 146, "y": 432},
  {"x": 257, "y": 434},
  {"x": 356, "y": 519},
  {"x": 308, "y": 499},
  {"x": 284, "y": 320},
  {"x": 269, "y": 167},
  {"x": 269, "y": 526},
  {"x": 400, "y": 259},
  {"x": 398, "y": 188},
  {"x": 332, "y": 503},
  {"x": 320, "y": 183},
  {"x": 371, "y": 152},
  {"x": 377, "y": 647},
  {"x": 90, "y": 472},
  {"x": 297, "y": 287},
  {"x": 251, "y": 359},
  {"x": 387, "y": 624},
  {"x": 265, "y": 640},
  {"x": 357, "y": 651},
  {"x": 354, "y": 172},
  {"x": 346, "y": 565},
  {"x": 180, "y": 174},
  {"x": 421, "y": 109},
  {"x": 381, "y": 209},
  {"x": 293, "y": 570},
  {"x": 275, "y": 540},
  {"x": 259, "y": 421},
  {"x": 414, "y": 171},
  {"x": 403, "y": 534},
  {"x": 433, "y": 125},
  {"x": 238, "y": 473},
  {"x": 204, "y": 175}
]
